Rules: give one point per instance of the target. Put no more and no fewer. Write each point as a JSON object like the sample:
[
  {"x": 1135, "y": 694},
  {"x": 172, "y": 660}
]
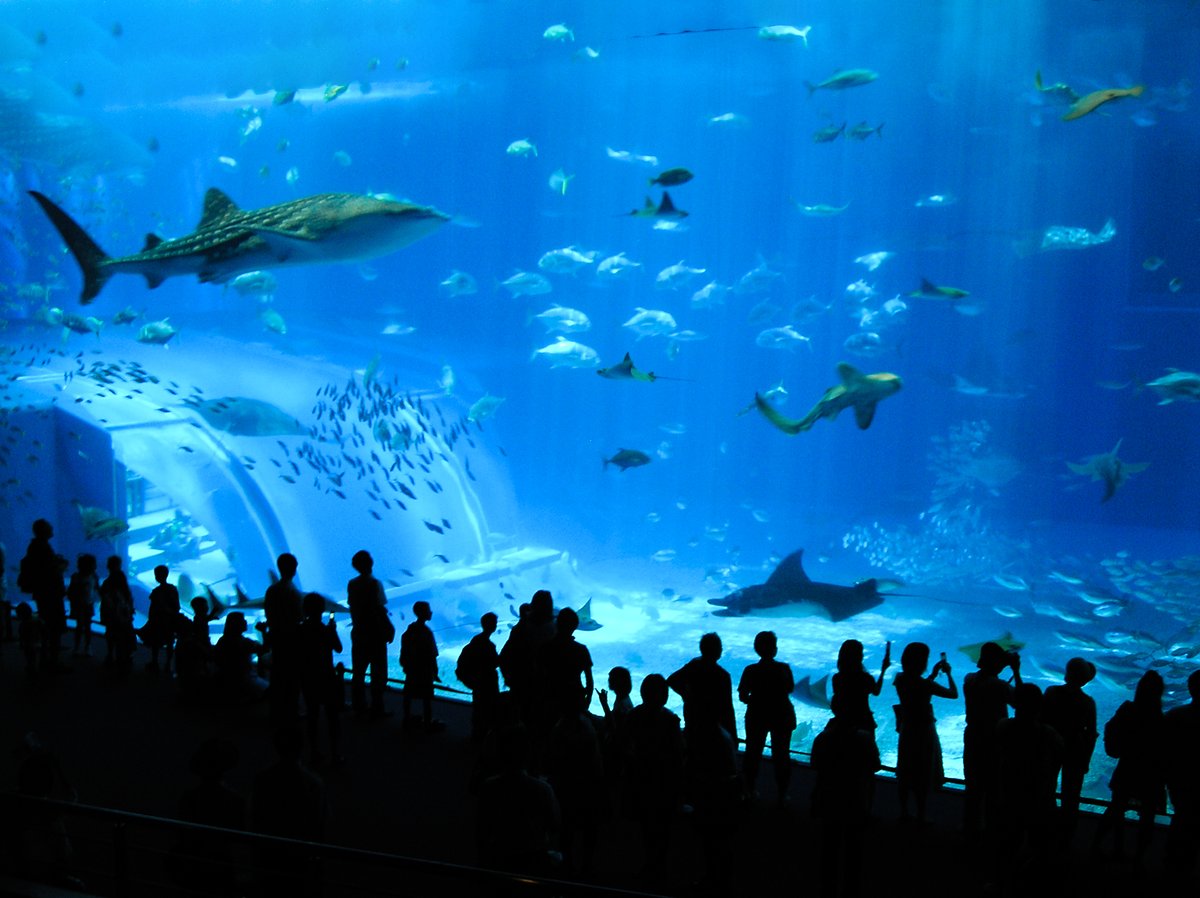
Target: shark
[
  {"x": 1108, "y": 468},
  {"x": 228, "y": 241},
  {"x": 789, "y": 592},
  {"x": 862, "y": 392}
]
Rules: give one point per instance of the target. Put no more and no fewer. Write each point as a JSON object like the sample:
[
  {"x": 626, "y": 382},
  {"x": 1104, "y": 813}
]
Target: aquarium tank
[{"x": 523, "y": 295}]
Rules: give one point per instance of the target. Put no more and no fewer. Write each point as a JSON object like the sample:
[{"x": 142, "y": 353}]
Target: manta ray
[
  {"x": 1108, "y": 468},
  {"x": 790, "y": 592},
  {"x": 859, "y": 391},
  {"x": 228, "y": 241}
]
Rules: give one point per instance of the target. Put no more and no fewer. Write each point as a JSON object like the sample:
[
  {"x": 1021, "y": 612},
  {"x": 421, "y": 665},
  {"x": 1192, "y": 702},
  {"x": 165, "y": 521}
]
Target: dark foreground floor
[{"x": 125, "y": 742}]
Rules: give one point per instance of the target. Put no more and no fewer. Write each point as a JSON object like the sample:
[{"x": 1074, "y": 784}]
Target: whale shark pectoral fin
[
  {"x": 864, "y": 414},
  {"x": 787, "y": 425}
]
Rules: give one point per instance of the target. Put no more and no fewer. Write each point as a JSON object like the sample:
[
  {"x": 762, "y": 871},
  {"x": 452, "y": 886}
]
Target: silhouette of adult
[
  {"x": 371, "y": 631},
  {"x": 162, "y": 619},
  {"x": 205, "y": 859},
  {"x": 194, "y": 653},
  {"x": 289, "y": 800},
  {"x": 518, "y": 820},
  {"x": 919, "y": 752},
  {"x": 418, "y": 660},
  {"x": 565, "y": 666},
  {"x": 656, "y": 764},
  {"x": 576, "y": 771},
  {"x": 1029, "y": 755},
  {"x": 766, "y": 689},
  {"x": 41, "y": 577},
  {"x": 83, "y": 592},
  {"x": 1135, "y": 737},
  {"x": 116, "y": 615},
  {"x": 845, "y": 758},
  {"x": 706, "y": 688},
  {"x": 317, "y": 642},
  {"x": 715, "y": 790},
  {"x": 987, "y": 698},
  {"x": 282, "y": 608},
  {"x": 1183, "y": 780},
  {"x": 519, "y": 655},
  {"x": 234, "y": 655},
  {"x": 855, "y": 686},
  {"x": 1072, "y": 713},
  {"x": 478, "y": 669}
]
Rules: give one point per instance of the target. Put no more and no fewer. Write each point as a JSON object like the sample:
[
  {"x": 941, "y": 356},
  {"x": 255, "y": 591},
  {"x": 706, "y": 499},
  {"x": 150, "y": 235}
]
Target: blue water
[{"x": 961, "y": 476}]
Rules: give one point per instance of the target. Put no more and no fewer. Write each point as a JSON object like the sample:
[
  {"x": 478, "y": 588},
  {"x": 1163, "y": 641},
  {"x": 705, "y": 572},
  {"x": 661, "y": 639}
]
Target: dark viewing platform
[{"x": 125, "y": 743}]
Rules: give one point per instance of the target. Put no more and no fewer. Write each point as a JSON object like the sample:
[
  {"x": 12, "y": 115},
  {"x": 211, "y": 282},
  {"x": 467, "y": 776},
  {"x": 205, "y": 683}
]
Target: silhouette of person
[
  {"x": 1135, "y": 737},
  {"x": 289, "y": 800},
  {"x": 478, "y": 670},
  {"x": 1072, "y": 713},
  {"x": 418, "y": 660},
  {"x": 316, "y": 644},
  {"x": 193, "y": 652},
  {"x": 371, "y": 631},
  {"x": 6, "y": 607},
  {"x": 1029, "y": 754},
  {"x": 576, "y": 771},
  {"x": 519, "y": 656},
  {"x": 518, "y": 820},
  {"x": 855, "y": 686},
  {"x": 31, "y": 636},
  {"x": 565, "y": 666},
  {"x": 162, "y": 619},
  {"x": 282, "y": 608},
  {"x": 116, "y": 614},
  {"x": 987, "y": 698},
  {"x": 1183, "y": 780},
  {"x": 706, "y": 688},
  {"x": 919, "y": 753},
  {"x": 82, "y": 594},
  {"x": 656, "y": 764},
  {"x": 766, "y": 689},
  {"x": 205, "y": 859},
  {"x": 615, "y": 736},
  {"x": 237, "y": 681},
  {"x": 41, "y": 576},
  {"x": 714, "y": 789},
  {"x": 845, "y": 758}
]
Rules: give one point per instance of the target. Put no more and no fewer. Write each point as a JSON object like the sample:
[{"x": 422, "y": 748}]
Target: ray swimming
[{"x": 228, "y": 241}]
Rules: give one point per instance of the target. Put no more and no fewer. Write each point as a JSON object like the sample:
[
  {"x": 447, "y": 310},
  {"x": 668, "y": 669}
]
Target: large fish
[
  {"x": 228, "y": 241},
  {"x": 1108, "y": 468},
  {"x": 789, "y": 591}
]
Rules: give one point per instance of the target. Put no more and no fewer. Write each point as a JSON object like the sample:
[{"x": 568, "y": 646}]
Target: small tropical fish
[{"x": 333, "y": 91}]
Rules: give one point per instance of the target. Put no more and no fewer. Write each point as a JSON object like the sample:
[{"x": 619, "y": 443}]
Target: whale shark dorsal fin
[
  {"x": 790, "y": 571},
  {"x": 217, "y": 205},
  {"x": 848, "y": 373}
]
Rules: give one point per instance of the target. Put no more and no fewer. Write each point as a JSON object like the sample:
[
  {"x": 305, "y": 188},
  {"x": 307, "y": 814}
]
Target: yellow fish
[{"x": 1086, "y": 104}]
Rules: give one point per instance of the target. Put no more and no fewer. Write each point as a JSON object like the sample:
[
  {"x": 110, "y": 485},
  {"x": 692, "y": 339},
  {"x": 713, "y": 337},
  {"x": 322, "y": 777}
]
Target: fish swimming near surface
[
  {"x": 790, "y": 592},
  {"x": 862, "y": 392},
  {"x": 1097, "y": 98},
  {"x": 228, "y": 241},
  {"x": 1108, "y": 468}
]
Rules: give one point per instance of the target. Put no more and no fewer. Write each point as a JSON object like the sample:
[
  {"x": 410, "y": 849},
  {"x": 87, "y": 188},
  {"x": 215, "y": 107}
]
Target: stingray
[{"x": 244, "y": 417}]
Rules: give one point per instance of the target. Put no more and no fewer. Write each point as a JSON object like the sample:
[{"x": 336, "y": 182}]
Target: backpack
[
  {"x": 25, "y": 576},
  {"x": 1116, "y": 732},
  {"x": 466, "y": 668}
]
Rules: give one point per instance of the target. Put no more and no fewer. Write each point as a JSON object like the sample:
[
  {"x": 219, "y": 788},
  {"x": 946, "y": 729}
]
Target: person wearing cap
[
  {"x": 987, "y": 699},
  {"x": 1072, "y": 713}
]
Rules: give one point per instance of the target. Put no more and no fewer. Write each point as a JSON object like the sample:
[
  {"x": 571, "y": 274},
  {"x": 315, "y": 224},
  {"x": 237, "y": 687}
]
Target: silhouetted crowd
[{"x": 550, "y": 775}]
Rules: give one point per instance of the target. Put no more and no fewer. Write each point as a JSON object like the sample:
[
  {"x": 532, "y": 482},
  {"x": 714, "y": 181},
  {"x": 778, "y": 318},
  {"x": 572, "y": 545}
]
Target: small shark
[
  {"x": 790, "y": 592},
  {"x": 1109, "y": 468},
  {"x": 859, "y": 391},
  {"x": 228, "y": 241}
]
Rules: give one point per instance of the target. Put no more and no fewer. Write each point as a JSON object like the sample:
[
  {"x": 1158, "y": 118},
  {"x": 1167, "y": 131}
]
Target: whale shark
[
  {"x": 789, "y": 592},
  {"x": 228, "y": 241}
]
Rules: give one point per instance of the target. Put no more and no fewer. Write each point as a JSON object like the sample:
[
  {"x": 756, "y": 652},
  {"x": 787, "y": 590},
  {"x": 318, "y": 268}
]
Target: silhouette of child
[
  {"x": 162, "y": 619},
  {"x": 82, "y": 594},
  {"x": 418, "y": 659},
  {"x": 478, "y": 670}
]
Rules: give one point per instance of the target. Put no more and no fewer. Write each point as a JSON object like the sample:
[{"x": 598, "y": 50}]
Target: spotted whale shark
[
  {"x": 790, "y": 592},
  {"x": 228, "y": 241}
]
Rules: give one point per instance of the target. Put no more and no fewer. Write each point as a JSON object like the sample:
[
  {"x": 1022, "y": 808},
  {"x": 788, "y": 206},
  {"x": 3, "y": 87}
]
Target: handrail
[{"x": 14, "y": 803}]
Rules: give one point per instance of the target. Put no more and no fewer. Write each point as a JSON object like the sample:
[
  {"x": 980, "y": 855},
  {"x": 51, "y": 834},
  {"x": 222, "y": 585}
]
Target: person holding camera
[
  {"x": 987, "y": 700},
  {"x": 919, "y": 756}
]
